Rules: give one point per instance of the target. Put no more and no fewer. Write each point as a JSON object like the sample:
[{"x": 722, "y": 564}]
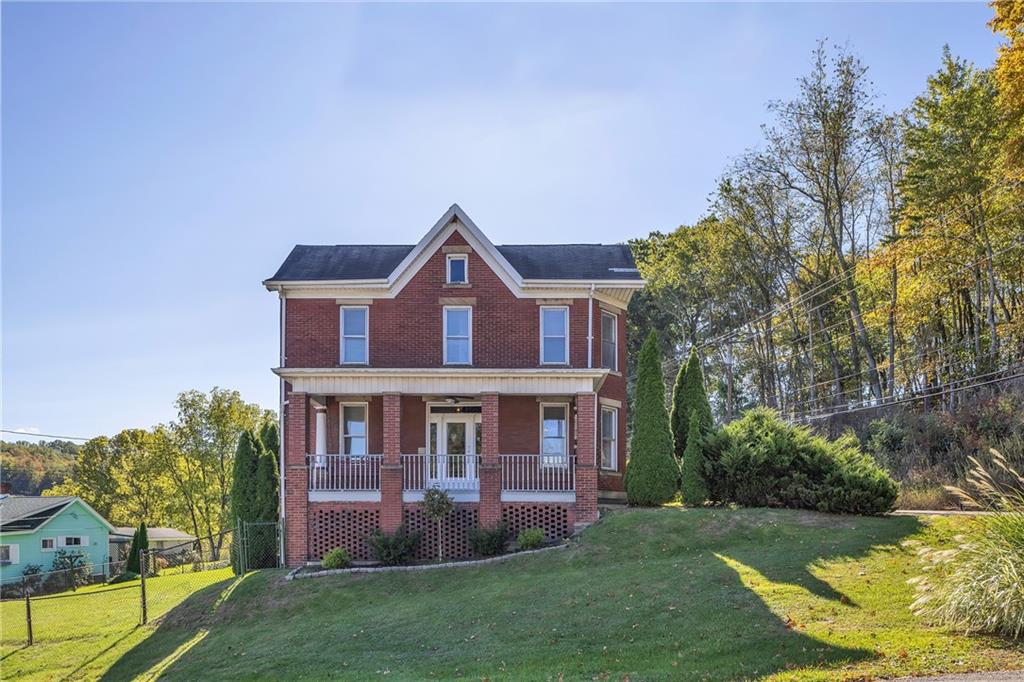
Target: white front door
[{"x": 452, "y": 444}]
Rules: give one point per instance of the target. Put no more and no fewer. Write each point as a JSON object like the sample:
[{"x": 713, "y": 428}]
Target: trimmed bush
[
  {"x": 693, "y": 489},
  {"x": 438, "y": 504},
  {"x": 762, "y": 461},
  {"x": 488, "y": 541},
  {"x": 652, "y": 475},
  {"x": 394, "y": 549},
  {"x": 140, "y": 541},
  {"x": 678, "y": 419},
  {"x": 531, "y": 538},
  {"x": 689, "y": 398},
  {"x": 336, "y": 558}
]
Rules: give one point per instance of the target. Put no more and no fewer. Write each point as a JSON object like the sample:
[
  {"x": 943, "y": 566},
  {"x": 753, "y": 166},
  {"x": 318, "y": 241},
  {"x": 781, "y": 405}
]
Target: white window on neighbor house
[
  {"x": 609, "y": 340},
  {"x": 353, "y": 429},
  {"x": 74, "y": 541},
  {"x": 458, "y": 269},
  {"x": 609, "y": 438},
  {"x": 554, "y": 335},
  {"x": 554, "y": 439},
  {"x": 8, "y": 555},
  {"x": 458, "y": 335},
  {"x": 355, "y": 335},
  {"x": 48, "y": 544}
]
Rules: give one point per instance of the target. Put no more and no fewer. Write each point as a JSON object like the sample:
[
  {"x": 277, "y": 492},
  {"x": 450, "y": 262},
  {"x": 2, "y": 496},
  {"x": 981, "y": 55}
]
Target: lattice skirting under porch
[{"x": 342, "y": 525}]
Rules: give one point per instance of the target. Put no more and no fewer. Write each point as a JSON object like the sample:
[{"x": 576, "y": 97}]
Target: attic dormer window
[{"x": 458, "y": 269}]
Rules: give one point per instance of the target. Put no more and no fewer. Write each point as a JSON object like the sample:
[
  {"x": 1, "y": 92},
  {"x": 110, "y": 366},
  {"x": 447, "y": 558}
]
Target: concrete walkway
[
  {"x": 1007, "y": 676},
  {"x": 937, "y": 512}
]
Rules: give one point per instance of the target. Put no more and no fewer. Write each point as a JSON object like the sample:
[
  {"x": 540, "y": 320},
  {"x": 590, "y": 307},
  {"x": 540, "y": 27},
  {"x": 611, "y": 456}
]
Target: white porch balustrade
[
  {"x": 523, "y": 475},
  {"x": 354, "y": 473}
]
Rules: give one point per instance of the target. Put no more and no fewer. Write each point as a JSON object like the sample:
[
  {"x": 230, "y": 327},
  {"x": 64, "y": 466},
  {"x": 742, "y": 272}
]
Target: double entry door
[{"x": 452, "y": 448}]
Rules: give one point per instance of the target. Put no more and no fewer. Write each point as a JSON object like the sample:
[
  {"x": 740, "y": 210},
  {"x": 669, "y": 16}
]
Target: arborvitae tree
[
  {"x": 243, "y": 487},
  {"x": 694, "y": 490},
  {"x": 270, "y": 438},
  {"x": 678, "y": 418},
  {"x": 267, "y": 489},
  {"x": 652, "y": 475},
  {"x": 132, "y": 565},
  {"x": 694, "y": 400}
]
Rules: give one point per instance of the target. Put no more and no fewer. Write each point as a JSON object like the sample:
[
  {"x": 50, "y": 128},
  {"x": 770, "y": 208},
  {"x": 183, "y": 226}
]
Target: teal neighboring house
[{"x": 33, "y": 529}]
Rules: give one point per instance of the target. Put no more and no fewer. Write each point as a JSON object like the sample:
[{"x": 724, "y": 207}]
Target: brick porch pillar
[
  {"x": 490, "y": 463},
  {"x": 586, "y": 458},
  {"x": 296, "y": 480},
  {"x": 391, "y": 468}
]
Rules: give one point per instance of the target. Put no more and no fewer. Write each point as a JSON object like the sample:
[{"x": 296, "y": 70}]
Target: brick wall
[{"x": 296, "y": 480}]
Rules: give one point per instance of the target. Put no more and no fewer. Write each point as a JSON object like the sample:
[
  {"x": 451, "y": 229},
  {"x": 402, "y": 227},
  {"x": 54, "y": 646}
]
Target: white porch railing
[
  {"x": 538, "y": 473},
  {"x": 448, "y": 472},
  {"x": 344, "y": 472}
]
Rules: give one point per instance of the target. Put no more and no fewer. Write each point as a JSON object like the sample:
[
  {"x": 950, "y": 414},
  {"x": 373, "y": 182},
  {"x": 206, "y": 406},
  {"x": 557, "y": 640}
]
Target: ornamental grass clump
[{"x": 978, "y": 586}]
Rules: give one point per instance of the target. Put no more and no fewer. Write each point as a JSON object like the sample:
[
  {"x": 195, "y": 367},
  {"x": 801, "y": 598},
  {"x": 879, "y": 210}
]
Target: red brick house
[{"x": 494, "y": 372}]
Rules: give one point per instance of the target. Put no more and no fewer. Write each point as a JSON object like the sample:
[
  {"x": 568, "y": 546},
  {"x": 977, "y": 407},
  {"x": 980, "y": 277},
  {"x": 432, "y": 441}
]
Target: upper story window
[
  {"x": 458, "y": 335},
  {"x": 353, "y": 429},
  {"x": 458, "y": 269},
  {"x": 554, "y": 335},
  {"x": 354, "y": 335},
  {"x": 609, "y": 341},
  {"x": 609, "y": 438}
]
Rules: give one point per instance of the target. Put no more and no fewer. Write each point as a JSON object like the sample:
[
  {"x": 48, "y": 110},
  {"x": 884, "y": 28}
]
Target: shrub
[
  {"x": 925, "y": 495},
  {"x": 438, "y": 504},
  {"x": 761, "y": 461},
  {"x": 73, "y": 568},
  {"x": 693, "y": 488},
  {"x": 32, "y": 577},
  {"x": 531, "y": 538},
  {"x": 977, "y": 586},
  {"x": 336, "y": 558},
  {"x": 652, "y": 475},
  {"x": 394, "y": 549},
  {"x": 125, "y": 577},
  {"x": 488, "y": 541}
]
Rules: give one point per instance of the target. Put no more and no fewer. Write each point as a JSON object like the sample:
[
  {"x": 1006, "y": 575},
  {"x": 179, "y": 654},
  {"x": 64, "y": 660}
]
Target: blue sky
[{"x": 159, "y": 161}]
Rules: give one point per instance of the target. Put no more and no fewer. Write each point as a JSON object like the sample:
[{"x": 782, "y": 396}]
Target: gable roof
[
  {"x": 308, "y": 263},
  {"x": 26, "y": 513}
]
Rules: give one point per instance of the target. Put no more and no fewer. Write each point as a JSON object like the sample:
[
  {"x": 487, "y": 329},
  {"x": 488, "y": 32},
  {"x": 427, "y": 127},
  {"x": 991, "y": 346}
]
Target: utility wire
[{"x": 43, "y": 435}]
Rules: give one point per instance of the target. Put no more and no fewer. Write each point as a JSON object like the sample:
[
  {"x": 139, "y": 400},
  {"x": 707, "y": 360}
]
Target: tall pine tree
[
  {"x": 693, "y": 488},
  {"x": 652, "y": 475},
  {"x": 693, "y": 399}
]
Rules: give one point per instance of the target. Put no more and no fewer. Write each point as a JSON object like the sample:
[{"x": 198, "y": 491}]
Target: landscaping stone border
[{"x": 297, "y": 574}]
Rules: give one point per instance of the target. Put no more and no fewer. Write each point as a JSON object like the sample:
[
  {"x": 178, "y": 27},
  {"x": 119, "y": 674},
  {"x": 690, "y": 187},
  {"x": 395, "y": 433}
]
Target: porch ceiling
[{"x": 442, "y": 380}]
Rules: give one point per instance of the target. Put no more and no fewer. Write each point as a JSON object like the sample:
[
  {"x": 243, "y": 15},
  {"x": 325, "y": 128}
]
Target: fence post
[
  {"x": 28, "y": 614},
  {"x": 142, "y": 576}
]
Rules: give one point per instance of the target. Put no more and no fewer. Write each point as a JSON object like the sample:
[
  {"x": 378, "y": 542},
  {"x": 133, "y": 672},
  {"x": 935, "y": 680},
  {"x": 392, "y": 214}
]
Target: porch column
[
  {"x": 586, "y": 458},
  {"x": 296, "y": 480},
  {"x": 490, "y": 463},
  {"x": 391, "y": 468},
  {"x": 321, "y": 429}
]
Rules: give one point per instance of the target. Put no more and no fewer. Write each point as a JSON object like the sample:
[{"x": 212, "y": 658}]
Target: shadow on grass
[
  {"x": 653, "y": 594},
  {"x": 179, "y": 626}
]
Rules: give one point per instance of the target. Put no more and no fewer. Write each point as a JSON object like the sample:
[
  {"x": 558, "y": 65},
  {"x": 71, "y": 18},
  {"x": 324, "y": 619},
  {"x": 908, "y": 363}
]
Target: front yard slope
[{"x": 650, "y": 594}]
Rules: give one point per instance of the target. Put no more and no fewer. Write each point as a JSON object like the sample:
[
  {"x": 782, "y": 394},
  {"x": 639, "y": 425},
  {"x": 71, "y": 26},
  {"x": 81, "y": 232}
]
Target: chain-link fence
[{"x": 63, "y": 624}]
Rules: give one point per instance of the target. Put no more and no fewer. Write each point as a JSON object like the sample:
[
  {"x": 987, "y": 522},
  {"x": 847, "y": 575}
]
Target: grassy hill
[{"x": 649, "y": 594}]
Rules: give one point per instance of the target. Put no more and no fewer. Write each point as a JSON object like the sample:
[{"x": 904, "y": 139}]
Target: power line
[{"x": 43, "y": 435}]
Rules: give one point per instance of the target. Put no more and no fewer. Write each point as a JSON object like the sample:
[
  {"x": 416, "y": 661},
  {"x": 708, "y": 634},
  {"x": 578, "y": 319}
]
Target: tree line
[{"x": 856, "y": 257}]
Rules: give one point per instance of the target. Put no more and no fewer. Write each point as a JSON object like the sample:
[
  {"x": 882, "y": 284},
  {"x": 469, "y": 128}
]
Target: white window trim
[
  {"x": 565, "y": 458},
  {"x": 365, "y": 337},
  {"x": 341, "y": 427},
  {"x": 62, "y": 541},
  {"x": 14, "y": 553},
  {"x": 444, "y": 333},
  {"x": 43, "y": 548},
  {"x": 554, "y": 307},
  {"x": 615, "y": 339},
  {"x": 615, "y": 439},
  {"x": 448, "y": 267}
]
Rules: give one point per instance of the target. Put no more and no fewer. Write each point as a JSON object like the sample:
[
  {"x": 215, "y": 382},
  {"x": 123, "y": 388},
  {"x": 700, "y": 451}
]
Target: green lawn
[{"x": 651, "y": 594}]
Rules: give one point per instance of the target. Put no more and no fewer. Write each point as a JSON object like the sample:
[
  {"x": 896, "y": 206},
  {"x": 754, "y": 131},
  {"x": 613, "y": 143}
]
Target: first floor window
[
  {"x": 609, "y": 438},
  {"x": 49, "y": 544},
  {"x": 353, "y": 432},
  {"x": 72, "y": 541},
  {"x": 8, "y": 554},
  {"x": 609, "y": 342},
  {"x": 554, "y": 435},
  {"x": 458, "y": 336},
  {"x": 354, "y": 335},
  {"x": 554, "y": 336}
]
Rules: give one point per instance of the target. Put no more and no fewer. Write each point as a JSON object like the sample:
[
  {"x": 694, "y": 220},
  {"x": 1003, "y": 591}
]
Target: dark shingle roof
[
  {"x": 24, "y": 512},
  {"x": 533, "y": 261}
]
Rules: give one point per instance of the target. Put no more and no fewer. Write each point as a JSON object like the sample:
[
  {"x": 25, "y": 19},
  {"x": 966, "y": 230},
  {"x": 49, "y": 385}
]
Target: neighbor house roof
[
  {"x": 28, "y": 512},
  {"x": 157, "y": 533},
  {"x": 531, "y": 261}
]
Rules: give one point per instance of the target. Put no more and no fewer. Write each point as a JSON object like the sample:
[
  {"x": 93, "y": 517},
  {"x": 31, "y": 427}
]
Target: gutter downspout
[
  {"x": 280, "y": 429},
  {"x": 590, "y": 328}
]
